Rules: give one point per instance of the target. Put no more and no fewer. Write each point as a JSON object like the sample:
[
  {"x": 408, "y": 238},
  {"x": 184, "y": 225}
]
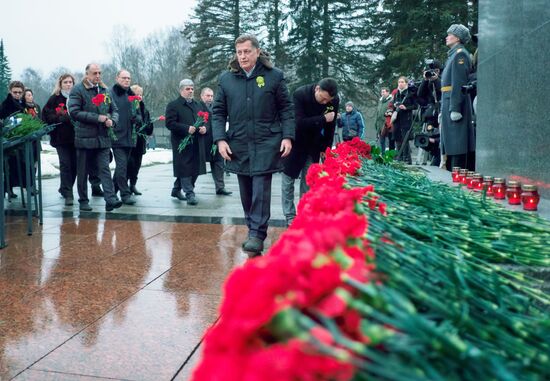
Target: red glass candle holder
[
  {"x": 468, "y": 178},
  {"x": 462, "y": 175},
  {"x": 499, "y": 188},
  {"x": 455, "y": 174},
  {"x": 530, "y": 197},
  {"x": 513, "y": 193},
  {"x": 488, "y": 185},
  {"x": 477, "y": 183}
]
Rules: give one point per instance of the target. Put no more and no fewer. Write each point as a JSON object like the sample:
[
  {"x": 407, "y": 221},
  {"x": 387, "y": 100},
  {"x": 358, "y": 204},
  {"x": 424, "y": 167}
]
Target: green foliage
[
  {"x": 5, "y": 72},
  {"x": 26, "y": 126}
]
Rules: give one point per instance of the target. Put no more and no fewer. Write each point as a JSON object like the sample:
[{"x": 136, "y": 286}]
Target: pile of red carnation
[{"x": 284, "y": 316}]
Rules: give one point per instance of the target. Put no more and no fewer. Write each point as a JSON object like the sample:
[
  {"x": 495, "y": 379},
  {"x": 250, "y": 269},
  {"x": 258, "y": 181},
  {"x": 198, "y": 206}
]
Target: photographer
[{"x": 429, "y": 98}]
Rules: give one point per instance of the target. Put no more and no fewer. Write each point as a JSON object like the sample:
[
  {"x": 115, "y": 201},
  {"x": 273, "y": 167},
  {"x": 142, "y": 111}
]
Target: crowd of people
[{"x": 251, "y": 127}]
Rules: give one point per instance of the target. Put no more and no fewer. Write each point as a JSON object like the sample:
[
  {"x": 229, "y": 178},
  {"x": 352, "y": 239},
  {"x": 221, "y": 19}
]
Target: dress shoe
[
  {"x": 96, "y": 191},
  {"x": 253, "y": 245},
  {"x": 191, "y": 200},
  {"x": 85, "y": 207},
  {"x": 11, "y": 194},
  {"x": 177, "y": 194},
  {"x": 69, "y": 201},
  {"x": 128, "y": 201},
  {"x": 134, "y": 190},
  {"x": 113, "y": 205},
  {"x": 223, "y": 192}
]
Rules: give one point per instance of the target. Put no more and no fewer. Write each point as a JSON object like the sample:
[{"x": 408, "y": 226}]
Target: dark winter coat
[
  {"x": 146, "y": 127},
  {"x": 89, "y": 132},
  {"x": 381, "y": 110},
  {"x": 180, "y": 115},
  {"x": 351, "y": 124},
  {"x": 63, "y": 134},
  {"x": 10, "y": 106},
  {"x": 260, "y": 116},
  {"x": 313, "y": 134},
  {"x": 126, "y": 136},
  {"x": 457, "y": 137},
  {"x": 404, "y": 119}
]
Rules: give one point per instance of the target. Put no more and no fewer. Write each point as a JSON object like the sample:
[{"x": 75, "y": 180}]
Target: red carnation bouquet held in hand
[
  {"x": 102, "y": 102},
  {"x": 61, "y": 109},
  {"x": 202, "y": 118}
]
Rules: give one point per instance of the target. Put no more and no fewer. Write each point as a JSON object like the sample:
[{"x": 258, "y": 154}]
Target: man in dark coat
[
  {"x": 254, "y": 96},
  {"x": 13, "y": 103},
  {"x": 92, "y": 141},
  {"x": 457, "y": 131},
  {"x": 215, "y": 159},
  {"x": 126, "y": 136},
  {"x": 315, "y": 109},
  {"x": 181, "y": 116}
]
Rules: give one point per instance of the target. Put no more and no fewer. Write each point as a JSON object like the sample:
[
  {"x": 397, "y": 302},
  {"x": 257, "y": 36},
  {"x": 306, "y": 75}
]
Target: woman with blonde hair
[{"x": 62, "y": 137}]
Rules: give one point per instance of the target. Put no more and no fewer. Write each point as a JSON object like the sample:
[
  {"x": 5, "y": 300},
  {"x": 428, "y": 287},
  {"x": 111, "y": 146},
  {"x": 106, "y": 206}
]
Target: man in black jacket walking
[
  {"x": 254, "y": 96},
  {"x": 315, "y": 109}
]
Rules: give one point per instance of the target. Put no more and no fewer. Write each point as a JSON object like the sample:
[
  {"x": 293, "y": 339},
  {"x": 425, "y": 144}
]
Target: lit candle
[
  {"x": 513, "y": 193},
  {"x": 456, "y": 174},
  {"x": 468, "y": 178},
  {"x": 462, "y": 175},
  {"x": 499, "y": 188},
  {"x": 477, "y": 182},
  {"x": 530, "y": 197},
  {"x": 488, "y": 185}
]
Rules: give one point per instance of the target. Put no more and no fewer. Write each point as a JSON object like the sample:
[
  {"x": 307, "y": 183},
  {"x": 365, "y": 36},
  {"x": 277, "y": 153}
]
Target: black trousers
[
  {"x": 90, "y": 158},
  {"x": 134, "y": 165},
  {"x": 216, "y": 166},
  {"x": 120, "y": 177},
  {"x": 255, "y": 194},
  {"x": 67, "y": 169}
]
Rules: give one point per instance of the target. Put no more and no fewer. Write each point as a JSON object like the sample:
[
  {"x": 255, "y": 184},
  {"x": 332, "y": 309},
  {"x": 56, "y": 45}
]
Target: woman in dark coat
[
  {"x": 404, "y": 103},
  {"x": 181, "y": 115},
  {"x": 136, "y": 155},
  {"x": 62, "y": 137}
]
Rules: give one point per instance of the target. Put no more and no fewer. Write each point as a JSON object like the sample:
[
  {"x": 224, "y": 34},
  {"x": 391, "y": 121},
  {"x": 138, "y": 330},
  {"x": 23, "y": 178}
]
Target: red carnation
[{"x": 98, "y": 99}]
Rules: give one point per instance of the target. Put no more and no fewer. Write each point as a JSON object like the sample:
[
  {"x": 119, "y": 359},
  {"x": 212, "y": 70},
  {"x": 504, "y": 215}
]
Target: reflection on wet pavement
[{"x": 86, "y": 299}]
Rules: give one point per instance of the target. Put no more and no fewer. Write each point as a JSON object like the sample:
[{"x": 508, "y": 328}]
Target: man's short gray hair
[{"x": 186, "y": 82}]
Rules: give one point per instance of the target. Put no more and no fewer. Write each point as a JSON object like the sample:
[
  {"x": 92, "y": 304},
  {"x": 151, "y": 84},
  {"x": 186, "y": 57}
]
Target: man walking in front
[
  {"x": 216, "y": 160},
  {"x": 254, "y": 96},
  {"x": 315, "y": 110},
  {"x": 90, "y": 106}
]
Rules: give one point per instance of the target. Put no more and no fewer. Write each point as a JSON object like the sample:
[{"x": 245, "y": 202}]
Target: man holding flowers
[
  {"x": 188, "y": 122},
  {"x": 94, "y": 116}
]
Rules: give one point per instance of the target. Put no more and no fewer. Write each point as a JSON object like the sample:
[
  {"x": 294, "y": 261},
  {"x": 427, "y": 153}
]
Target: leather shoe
[
  {"x": 253, "y": 245},
  {"x": 11, "y": 194},
  {"x": 85, "y": 207},
  {"x": 128, "y": 201},
  {"x": 69, "y": 201},
  {"x": 96, "y": 191},
  {"x": 134, "y": 190},
  {"x": 113, "y": 205},
  {"x": 191, "y": 200},
  {"x": 177, "y": 194},
  {"x": 223, "y": 192}
]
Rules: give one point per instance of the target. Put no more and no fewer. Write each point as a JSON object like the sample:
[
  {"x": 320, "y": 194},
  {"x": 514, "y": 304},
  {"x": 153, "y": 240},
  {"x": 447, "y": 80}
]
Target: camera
[
  {"x": 433, "y": 67},
  {"x": 429, "y": 74},
  {"x": 470, "y": 88},
  {"x": 421, "y": 140}
]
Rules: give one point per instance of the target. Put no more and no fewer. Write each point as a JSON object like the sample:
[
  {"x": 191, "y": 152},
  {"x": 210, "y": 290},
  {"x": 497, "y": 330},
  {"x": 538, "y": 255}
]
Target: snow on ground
[{"x": 50, "y": 160}]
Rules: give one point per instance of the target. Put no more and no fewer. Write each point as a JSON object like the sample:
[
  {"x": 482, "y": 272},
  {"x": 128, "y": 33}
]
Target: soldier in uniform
[{"x": 457, "y": 131}]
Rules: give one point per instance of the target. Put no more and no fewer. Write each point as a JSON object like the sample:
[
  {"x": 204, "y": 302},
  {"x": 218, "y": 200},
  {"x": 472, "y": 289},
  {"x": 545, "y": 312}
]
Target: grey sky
[{"x": 71, "y": 33}]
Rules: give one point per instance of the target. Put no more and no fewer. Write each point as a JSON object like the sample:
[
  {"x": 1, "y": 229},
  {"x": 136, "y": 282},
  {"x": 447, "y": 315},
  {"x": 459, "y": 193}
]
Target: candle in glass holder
[
  {"x": 530, "y": 197},
  {"x": 488, "y": 185},
  {"x": 499, "y": 188},
  {"x": 462, "y": 175},
  {"x": 513, "y": 192},
  {"x": 477, "y": 182},
  {"x": 468, "y": 178},
  {"x": 455, "y": 174}
]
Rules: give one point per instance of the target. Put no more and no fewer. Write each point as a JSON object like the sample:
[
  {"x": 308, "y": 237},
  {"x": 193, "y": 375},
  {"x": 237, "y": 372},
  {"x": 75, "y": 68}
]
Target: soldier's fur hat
[{"x": 460, "y": 31}]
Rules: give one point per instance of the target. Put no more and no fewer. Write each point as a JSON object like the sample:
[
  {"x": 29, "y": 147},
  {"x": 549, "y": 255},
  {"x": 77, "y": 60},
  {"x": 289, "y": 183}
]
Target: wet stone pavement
[{"x": 124, "y": 295}]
